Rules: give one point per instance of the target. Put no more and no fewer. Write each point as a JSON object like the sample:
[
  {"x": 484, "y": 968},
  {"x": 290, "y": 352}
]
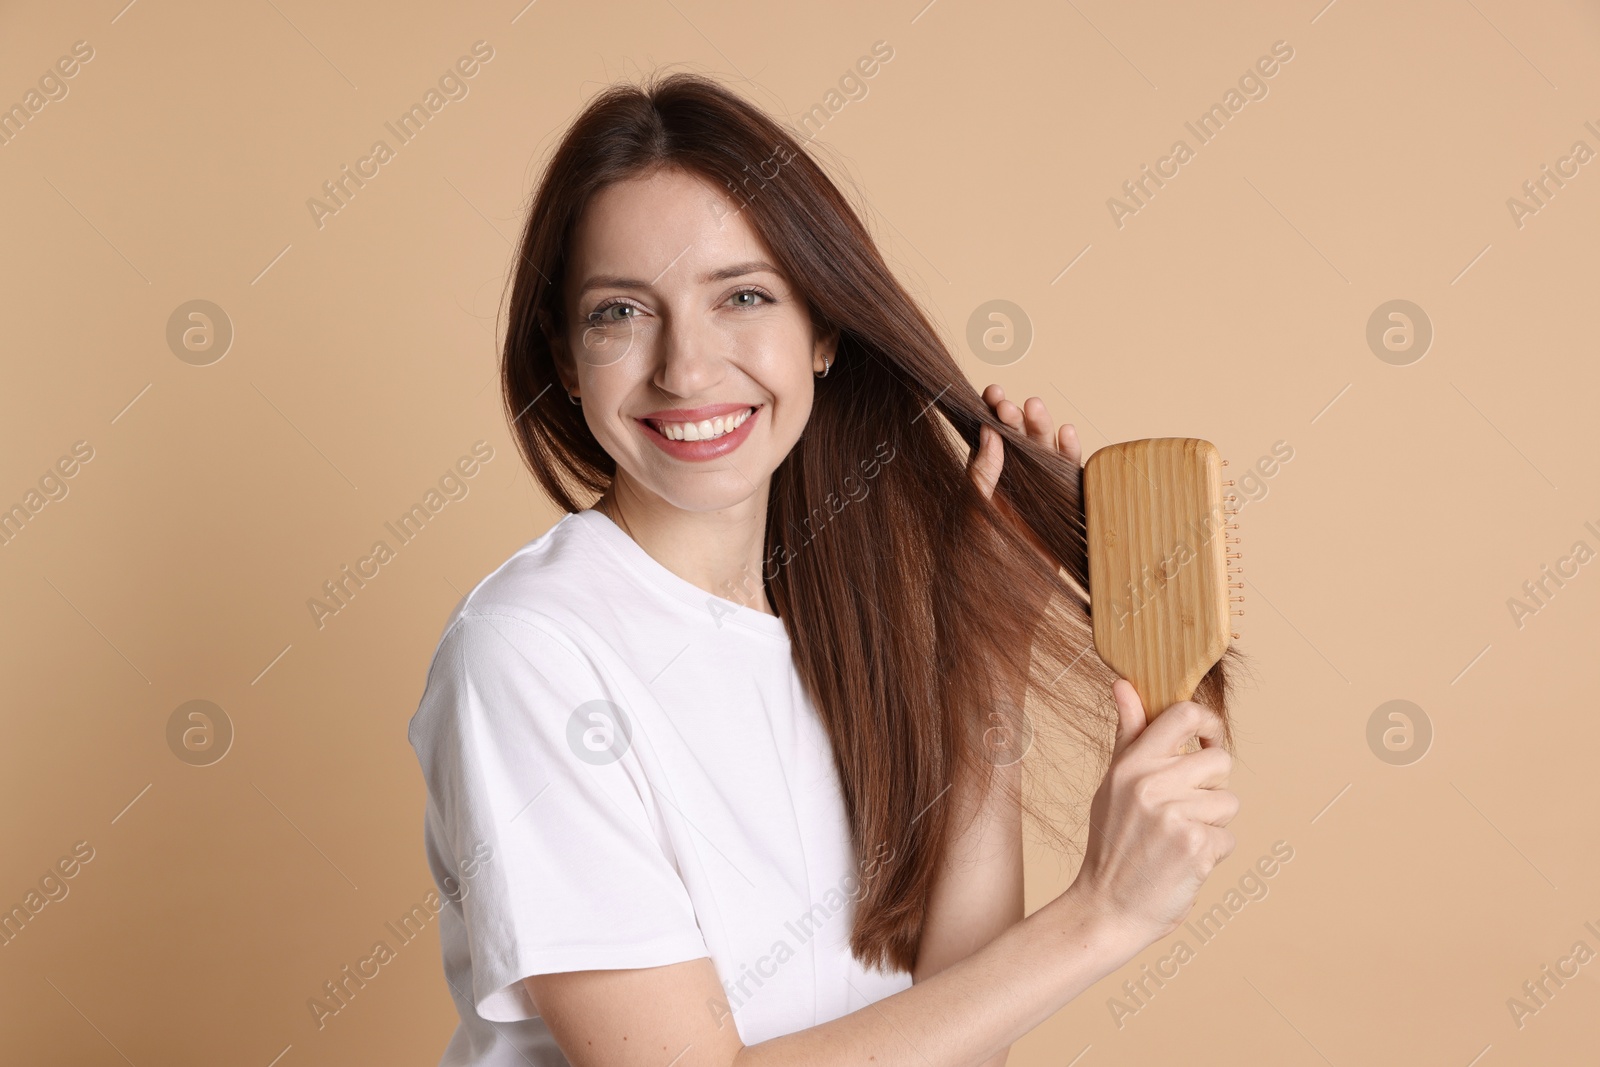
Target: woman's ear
[{"x": 826, "y": 349}]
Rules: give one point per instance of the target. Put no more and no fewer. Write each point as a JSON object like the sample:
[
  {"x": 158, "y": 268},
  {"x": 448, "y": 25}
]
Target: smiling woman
[
  {"x": 669, "y": 776},
  {"x": 730, "y": 325}
]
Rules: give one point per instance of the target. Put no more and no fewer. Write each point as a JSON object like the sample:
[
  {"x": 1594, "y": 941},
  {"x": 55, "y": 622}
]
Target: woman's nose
[{"x": 690, "y": 360}]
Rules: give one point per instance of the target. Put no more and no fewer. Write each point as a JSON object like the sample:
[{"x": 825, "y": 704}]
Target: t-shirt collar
[{"x": 631, "y": 554}]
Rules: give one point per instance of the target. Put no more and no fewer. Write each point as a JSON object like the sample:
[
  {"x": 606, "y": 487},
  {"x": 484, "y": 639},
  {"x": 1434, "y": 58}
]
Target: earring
[
  {"x": 574, "y": 399},
  {"x": 827, "y": 365}
]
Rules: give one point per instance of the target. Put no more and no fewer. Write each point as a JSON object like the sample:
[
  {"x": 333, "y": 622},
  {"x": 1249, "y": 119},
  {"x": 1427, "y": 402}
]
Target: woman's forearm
[
  {"x": 977, "y": 893},
  {"x": 978, "y": 889},
  {"x": 972, "y": 1009}
]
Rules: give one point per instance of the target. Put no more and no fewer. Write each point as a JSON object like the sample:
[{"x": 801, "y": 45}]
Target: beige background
[{"x": 1233, "y": 306}]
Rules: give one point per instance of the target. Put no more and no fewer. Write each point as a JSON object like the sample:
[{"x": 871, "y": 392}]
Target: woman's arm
[
  {"x": 968, "y": 1012},
  {"x": 1156, "y": 831},
  {"x": 978, "y": 891}
]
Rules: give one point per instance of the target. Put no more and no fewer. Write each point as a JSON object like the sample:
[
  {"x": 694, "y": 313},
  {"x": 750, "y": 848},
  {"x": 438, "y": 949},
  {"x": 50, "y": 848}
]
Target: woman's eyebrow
[{"x": 736, "y": 270}]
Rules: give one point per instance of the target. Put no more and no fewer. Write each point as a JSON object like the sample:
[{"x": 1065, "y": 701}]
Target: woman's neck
[{"x": 720, "y": 551}]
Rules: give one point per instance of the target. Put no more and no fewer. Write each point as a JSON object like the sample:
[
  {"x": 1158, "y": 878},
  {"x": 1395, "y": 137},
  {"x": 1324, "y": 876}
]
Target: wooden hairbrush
[{"x": 1160, "y": 561}]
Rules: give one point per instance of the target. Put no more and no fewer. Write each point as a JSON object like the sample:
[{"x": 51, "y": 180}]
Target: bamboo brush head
[{"x": 1158, "y": 563}]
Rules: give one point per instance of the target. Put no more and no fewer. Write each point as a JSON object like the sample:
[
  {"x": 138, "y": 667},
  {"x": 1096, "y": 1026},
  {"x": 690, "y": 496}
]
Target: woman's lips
[{"x": 698, "y": 451}]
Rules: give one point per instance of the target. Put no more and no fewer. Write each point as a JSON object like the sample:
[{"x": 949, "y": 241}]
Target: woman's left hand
[{"x": 1032, "y": 419}]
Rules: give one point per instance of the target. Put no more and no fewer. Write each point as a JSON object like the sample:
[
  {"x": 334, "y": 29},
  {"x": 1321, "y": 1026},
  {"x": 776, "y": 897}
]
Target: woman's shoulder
[
  {"x": 532, "y": 601},
  {"x": 543, "y": 583}
]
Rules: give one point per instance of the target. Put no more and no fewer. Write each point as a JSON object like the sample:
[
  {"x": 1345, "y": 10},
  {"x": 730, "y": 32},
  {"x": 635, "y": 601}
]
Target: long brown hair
[{"x": 889, "y": 568}]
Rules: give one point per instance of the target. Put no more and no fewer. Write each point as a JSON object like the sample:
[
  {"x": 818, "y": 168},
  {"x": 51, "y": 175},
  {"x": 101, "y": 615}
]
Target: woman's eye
[{"x": 599, "y": 314}]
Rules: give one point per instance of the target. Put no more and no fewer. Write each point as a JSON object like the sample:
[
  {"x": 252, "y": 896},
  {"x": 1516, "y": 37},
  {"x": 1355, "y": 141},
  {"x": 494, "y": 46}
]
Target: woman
[{"x": 727, "y": 767}]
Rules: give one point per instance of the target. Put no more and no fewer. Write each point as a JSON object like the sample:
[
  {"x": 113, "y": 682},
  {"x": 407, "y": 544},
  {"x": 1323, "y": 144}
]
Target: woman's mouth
[
  {"x": 704, "y": 430},
  {"x": 703, "y": 440}
]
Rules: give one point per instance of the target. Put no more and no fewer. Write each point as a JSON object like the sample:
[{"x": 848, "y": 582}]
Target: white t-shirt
[{"x": 625, "y": 770}]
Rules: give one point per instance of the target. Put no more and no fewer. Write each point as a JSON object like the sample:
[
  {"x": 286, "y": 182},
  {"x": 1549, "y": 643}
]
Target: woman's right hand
[{"x": 1157, "y": 824}]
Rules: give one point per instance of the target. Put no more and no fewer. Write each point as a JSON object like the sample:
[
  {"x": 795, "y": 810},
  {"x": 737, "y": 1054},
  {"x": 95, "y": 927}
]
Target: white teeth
[{"x": 704, "y": 430}]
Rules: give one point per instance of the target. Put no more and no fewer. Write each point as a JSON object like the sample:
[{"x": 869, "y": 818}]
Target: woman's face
[{"x": 680, "y": 326}]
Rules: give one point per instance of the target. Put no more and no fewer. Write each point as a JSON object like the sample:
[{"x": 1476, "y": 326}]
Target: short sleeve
[{"x": 566, "y": 869}]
